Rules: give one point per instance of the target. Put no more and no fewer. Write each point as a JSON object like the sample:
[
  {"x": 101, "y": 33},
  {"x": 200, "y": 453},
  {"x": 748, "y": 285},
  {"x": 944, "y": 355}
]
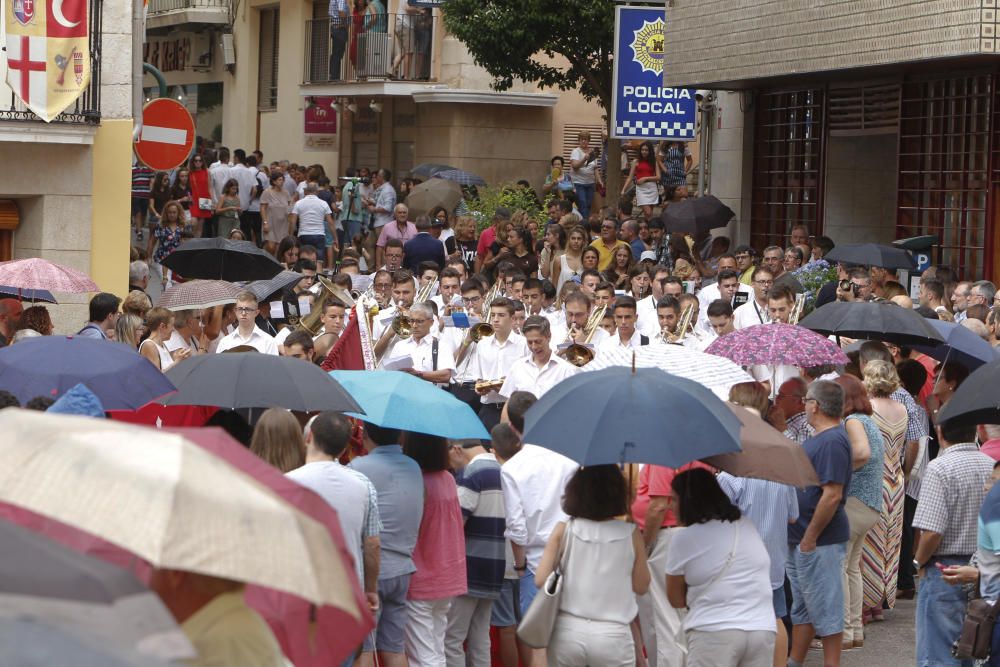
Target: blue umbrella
[
  {"x": 960, "y": 345},
  {"x": 989, "y": 521},
  {"x": 52, "y": 365},
  {"x": 40, "y": 295},
  {"x": 398, "y": 400},
  {"x": 460, "y": 176},
  {"x": 624, "y": 415}
]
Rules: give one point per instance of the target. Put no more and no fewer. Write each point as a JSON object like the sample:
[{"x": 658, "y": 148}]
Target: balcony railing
[
  {"x": 87, "y": 108},
  {"x": 160, "y": 6},
  {"x": 373, "y": 47}
]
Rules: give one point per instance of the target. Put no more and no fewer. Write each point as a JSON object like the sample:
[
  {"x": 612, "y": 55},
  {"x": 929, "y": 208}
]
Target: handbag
[
  {"x": 977, "y": 630},
  {"x": 205, "y": 204},
  {"x": 535, "y": 629}
]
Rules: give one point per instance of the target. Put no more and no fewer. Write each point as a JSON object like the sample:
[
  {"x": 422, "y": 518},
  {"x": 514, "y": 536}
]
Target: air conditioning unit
[
  {"x": 228, "y": 50},
  {"x": 201, "y": 51}
]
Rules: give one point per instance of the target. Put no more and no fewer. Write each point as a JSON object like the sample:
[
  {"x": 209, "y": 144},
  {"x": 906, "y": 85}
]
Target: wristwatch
[
  {"x": 916, "y": 565},
  {"x": 521, "y": 569}
]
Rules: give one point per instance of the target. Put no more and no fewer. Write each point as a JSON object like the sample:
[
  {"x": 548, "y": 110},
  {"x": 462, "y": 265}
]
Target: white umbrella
[
  {"x": 170, "y": 502},
  {"x": 715, "y": 373}
]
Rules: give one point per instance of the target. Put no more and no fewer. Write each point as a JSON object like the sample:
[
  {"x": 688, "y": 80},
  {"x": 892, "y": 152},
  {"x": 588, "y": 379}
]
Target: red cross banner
[{"x": 48, "y": 53}]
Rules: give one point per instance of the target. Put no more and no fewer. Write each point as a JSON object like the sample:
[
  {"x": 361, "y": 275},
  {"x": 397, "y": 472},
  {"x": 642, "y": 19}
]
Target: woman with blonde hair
[
  {"x": 571, "y": 260},
  {"x": 129, "y": 329},
  {"x": 750, "y": 395},
  {"x": 277, "y": 438},
  {"x": 465, "y": 240},
  {"x": 137, "y": 303},
  {"x": 161, "y": 325},
  {"x": 880, "y": 556}
]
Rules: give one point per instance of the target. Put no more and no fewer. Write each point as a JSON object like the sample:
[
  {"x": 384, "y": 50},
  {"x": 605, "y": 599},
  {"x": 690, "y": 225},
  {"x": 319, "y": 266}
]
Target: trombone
[
  {"x": 483, "y": 329},
  {"x": 797, "y": 308},
  {"x": 683, "y": 326},
  {"x": 577, "y": 353}
]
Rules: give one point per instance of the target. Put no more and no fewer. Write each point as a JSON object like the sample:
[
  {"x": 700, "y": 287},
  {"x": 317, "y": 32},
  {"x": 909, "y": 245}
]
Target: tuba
[
  {"x": 579, "y": 354},
  {"x": 800, "y": 304},
  {"x": 326, "y": 289}
]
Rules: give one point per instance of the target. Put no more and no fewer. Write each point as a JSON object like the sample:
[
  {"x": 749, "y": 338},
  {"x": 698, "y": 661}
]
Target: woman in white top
[
  {"x": 571, "y": 261},
  {"x": 605, "y": 570},
  {"x": 160, "y": 323},
  {"x": 719, "y": 569}
]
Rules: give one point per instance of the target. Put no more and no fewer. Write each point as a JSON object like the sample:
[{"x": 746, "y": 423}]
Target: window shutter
[{"x": 267, "y": 55}]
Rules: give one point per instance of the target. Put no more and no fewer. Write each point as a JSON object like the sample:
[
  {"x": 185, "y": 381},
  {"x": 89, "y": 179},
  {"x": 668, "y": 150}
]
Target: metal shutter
[{"x": 267, "y": 58}]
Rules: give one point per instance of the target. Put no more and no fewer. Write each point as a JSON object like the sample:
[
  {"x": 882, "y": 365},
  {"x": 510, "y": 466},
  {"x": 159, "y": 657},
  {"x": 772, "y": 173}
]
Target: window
[{"x": 267, "y": 58}]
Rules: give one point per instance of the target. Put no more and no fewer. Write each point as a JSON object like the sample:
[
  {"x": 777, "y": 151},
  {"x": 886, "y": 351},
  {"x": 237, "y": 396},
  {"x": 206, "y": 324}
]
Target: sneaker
[{"x": 138, "y": 235}]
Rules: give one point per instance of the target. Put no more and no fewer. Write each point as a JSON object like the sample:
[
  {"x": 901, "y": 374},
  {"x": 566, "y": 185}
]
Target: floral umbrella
[{"x": 775, "y": 344}]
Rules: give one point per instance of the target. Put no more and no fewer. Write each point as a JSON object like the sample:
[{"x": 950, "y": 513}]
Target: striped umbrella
[
  {"x": 198, "y": 294},
  {"x": 460, "y": 176},
  {"x": 41, "y": 274}
]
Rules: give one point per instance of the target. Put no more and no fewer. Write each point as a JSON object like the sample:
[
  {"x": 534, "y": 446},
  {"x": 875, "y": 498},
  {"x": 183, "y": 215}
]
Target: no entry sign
[{"x": 167, "y": 134}]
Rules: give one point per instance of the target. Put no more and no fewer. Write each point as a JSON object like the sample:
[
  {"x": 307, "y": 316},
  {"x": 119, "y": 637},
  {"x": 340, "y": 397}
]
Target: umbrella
[
  {"x": 776, "y": 344},
  {"x": 460, "y": 176},
  {"x": 423, "y": 198},
  {"x": 78, "y": 401},
  {"x": 397, "y": 400},
  {"x": 40, "y": 295},
  {"x": 427, "y": 170},
  {"x": 37, "y": 643},
  {"x": 632, "y": 416},
  {"x": 873, "y": 321},
  {"x": 51, "y": 365},
  {"x": 960, "y": 345},
  {"x": 767, "y": 454},
  {"x": 170, "y": 502},
  {"x": 697, "y": 216},
  {"x": 43, "y": 580},
  {"x": 976, "y": 401},
  {"x": 256, "y": 381},
  {"x": 41, "y": 274},
  {"x": 266, "y": 290},
  {"x": 708, "y": 370},
  {"x": 989, "y": 521},
  {"x": 198, "y": 294},
  {"x": 222, "y": 259},
  {"x": 872, "y": 254}
]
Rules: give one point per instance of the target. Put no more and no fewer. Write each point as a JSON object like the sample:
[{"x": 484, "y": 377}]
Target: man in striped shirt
[{"x": 481, "y": 498}]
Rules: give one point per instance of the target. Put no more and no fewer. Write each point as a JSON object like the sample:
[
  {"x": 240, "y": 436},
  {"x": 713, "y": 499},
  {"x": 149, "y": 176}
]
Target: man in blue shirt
[
  {"x": 103, "y": 316},
  {"x": 423, "y": 247},
  {"x": 400, "y": 486},
  {"x": 817, "y": 541}
]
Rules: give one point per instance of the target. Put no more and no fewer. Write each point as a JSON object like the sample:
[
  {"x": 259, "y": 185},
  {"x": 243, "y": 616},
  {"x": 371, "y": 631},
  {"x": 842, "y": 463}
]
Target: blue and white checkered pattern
[{"x": 640, "y": 128}]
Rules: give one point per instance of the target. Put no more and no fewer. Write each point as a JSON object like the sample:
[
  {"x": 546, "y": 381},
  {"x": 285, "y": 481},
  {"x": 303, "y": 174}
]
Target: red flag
[{"x": 346, "y": 354}]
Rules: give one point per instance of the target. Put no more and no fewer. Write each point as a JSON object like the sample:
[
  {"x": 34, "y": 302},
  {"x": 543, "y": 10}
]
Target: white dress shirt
[
  {"x": 749, "y": 314},
  {"x": 711, "y": 293},
  {"x": 525, "y": 375},
  {"x": 218, "y": 174},
  {"x": 452, "y": 337},
  {"x": 533, "y": 482},
  {"x": 258, "y": 340},
  {"x": 493, "y": 360},
  {"x": 247, "y": 180},
  {"x": 422, "y": 354},
  {"x": 646, "y": 320},
  {"x": 614, "y": 342}
]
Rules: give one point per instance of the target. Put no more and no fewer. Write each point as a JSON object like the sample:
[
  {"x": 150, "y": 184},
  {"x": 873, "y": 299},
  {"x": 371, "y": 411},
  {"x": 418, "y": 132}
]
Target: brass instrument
[
  {"x": 484, "y": 329},
  {"x": 401, "y": 326},
  {"x": 426, "y": 290},
  {"x": 312, "y": 321},
  {"x": 684, "y": 324},
  {"x": 578, "y": 353},
  {"x": 800, "y": 304},
  {"x": 488, "y": 385}
]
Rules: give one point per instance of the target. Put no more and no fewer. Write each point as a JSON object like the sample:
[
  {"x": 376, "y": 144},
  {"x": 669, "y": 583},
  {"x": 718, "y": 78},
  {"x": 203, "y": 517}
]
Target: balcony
[
  {"x": 370, "y": 49},
  {"x": 171, "y": 13}
]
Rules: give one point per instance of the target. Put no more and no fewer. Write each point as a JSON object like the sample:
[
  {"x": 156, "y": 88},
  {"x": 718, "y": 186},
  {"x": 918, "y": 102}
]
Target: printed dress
[{"x": 880, "y": 555}]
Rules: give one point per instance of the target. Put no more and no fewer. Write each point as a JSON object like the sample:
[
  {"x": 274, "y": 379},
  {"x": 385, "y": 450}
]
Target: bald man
[{"x": 10, "y": 316}]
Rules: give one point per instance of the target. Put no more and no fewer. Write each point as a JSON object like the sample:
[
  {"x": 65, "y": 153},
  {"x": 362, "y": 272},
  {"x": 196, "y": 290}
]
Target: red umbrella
[
  {"x": 334, "y": 633},
  {"x": 37, "y": 273},
  {"x": 156, "y": 414}
]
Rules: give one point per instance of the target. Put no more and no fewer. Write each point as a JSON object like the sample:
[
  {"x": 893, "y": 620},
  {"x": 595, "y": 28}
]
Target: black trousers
[
  {"x": 466, "y": 394},
  {"x": 338, "y": 45},
  {"x": 251, "y": 225},
  {"x": 489, "y": 414},
  {"x": 905, "y": 578}
]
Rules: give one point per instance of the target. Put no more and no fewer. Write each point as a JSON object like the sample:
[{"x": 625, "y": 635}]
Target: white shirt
[
  {"x": 494, "y": 359},
  {"x": 585, "y": 174},
  {"x": 776, "y": 375},
  {"x": 263, "y": 183},
  {"x": 614, "y": 342},
  {"x": 711, "y": 293},
  {"x": 452, "y": 337},
  {"x": 385, "y": 199},
  {"x": 533, "y": 482},
  {"x": 524, "y": 375},
  {"x": 646, "y": 320},
  {"x": 247, "y": 180},
  {"x": 218, "y": 174},
  {"x": 749, "y": 314},
  {"x": 177, "y": 342},
  {"x": 258, "y": 340},
  {"x": 312, "y": 212},
  {"x": 422, "y": 354},
  {"x": 345, "y": 492}
]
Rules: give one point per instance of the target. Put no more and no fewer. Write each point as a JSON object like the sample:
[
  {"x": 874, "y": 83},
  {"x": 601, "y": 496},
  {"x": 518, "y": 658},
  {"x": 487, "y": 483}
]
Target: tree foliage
[{"x": 524, "y": 39}]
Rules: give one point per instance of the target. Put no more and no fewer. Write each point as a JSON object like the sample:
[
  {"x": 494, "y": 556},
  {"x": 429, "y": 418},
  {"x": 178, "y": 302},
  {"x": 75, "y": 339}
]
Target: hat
[{"x": 647, "y": 254}]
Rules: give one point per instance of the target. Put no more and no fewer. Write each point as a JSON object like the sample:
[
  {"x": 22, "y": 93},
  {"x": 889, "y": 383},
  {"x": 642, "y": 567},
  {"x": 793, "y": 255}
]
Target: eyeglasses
[
  {"x": 245, "y": 311},
  {"x": 414, "y": 320},
  {"x": 742, "y": 256},
  {"x": 764, "y": 283},
  {"x": 475, "y": 299},
  {"x": 810, "y": 399}
]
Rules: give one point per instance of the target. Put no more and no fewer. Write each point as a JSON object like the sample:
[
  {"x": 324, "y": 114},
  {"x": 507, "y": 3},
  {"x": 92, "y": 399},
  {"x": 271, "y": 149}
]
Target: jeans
[
  {"x": 350, "y": 229},
  {"x": 338, "y": 45},
  {"x": 818, "y": 587},
  {"x": 940, "y": 611},
  {"x": 526, "y": 590},
  {"x": 584, "y": 198}
]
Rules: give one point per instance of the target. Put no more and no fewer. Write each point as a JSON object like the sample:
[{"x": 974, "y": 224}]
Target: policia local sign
[{"x": 641, "y": 107}]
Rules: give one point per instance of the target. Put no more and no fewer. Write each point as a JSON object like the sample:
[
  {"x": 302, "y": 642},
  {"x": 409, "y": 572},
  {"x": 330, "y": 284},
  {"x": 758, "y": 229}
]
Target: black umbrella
[
  {"x": 222, "y": 259},
  {"x": 976, "y": 401},
  {"x": 266, "y": 290},
  {"x": 696, "y": 216},
  {"x": 257, "y": 381},
  {"x": 426, "y": 170},
  {"x": 874, "y": 321},
  {"x": 872, "y": 254}
]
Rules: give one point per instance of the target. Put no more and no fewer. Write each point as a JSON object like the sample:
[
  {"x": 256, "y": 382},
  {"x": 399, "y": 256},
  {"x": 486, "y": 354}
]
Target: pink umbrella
[
  {"x": 777, "y": 343},
  {"x": 41, "y": 274},
  {"x": 309, "y": 637}
]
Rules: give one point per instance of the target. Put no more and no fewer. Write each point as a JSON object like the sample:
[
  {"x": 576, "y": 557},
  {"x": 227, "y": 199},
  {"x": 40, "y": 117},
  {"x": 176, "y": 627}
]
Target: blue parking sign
[{"x": 641, "y": 108}]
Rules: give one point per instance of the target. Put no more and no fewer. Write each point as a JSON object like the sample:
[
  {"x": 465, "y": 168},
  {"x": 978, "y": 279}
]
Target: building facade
[
  {"x": 64, "y": 195},
  {"x": 259, "y": 74},
  {"x": 867, "y": 121}
]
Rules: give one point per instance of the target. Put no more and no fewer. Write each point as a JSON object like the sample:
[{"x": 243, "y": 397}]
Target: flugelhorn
[{"x": 578, "y": 353}]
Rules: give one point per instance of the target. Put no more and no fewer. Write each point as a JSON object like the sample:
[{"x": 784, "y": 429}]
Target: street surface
[{"x": 891, "y": 643}]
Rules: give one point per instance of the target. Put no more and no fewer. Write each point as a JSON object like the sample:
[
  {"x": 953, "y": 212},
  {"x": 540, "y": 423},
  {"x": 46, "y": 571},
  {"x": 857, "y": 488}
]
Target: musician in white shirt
[
  {"x": 779, "y": 304},
  {"x": 431, "y": 361},
  {"x": 727, "y": 287},
  {"x": 626, "y": 335},
  {"x": 578, "y": 306},
  {"x": 494, "y": 356},
  {"x": 645, "y": 309},
  {"x": 542, "y": 370},
  {"x": 755, "y": 310}
]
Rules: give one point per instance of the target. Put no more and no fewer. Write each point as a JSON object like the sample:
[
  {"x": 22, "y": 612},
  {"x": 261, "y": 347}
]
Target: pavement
[{"x": 891, "y": 642}]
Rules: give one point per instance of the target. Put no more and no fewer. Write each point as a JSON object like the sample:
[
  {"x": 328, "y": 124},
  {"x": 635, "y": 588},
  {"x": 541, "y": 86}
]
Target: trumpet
[
  {"x": 578, "y": 353},
  {"x": 797, "y": 308}
]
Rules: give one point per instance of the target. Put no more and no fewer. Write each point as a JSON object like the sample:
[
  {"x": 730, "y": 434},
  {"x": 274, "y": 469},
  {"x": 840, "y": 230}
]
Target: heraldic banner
[{"x": 48, "y": 53}]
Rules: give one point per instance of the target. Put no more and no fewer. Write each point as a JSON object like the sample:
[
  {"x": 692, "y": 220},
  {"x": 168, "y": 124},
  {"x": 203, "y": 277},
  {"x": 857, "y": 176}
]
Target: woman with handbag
[
  {"x": 602, "y": 567},
  {"x": 719, "y": 569},
  {"x": 202, "y": 207}
]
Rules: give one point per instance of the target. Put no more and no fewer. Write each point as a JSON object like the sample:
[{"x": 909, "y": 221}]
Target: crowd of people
[{"x": 453, "y": 539}]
